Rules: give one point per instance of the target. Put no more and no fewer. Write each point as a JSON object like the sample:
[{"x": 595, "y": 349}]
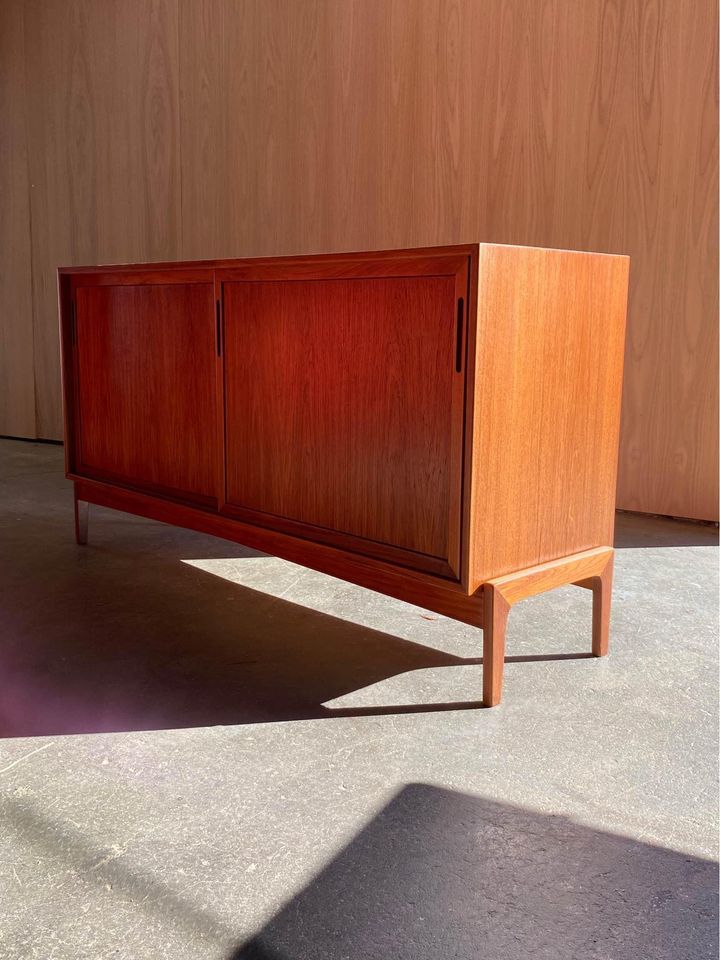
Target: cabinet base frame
[
  {"x": 488, "y": 608},
  {"x": 592, "y": 569}
]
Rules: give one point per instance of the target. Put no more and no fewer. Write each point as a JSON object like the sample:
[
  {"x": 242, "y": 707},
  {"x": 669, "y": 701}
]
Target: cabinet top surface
[{"x": 462, "y": 249}]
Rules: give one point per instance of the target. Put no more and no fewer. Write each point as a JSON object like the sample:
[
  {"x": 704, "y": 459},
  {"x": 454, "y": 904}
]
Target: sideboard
[{"x": 439, "y": 425}]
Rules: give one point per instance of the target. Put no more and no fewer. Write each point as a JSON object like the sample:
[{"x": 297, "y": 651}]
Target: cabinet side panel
[{"x": 550, "y": 344}]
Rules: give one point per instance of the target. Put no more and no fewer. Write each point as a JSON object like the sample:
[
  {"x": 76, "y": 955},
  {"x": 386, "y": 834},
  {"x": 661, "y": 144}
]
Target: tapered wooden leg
[
  {"x": 495, "y": 624},
  {"x": 601, "y": 587},
  {"x": 81, "y": 521}
]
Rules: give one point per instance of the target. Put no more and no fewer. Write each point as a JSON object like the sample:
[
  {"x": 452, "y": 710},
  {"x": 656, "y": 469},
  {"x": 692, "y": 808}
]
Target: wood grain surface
[
  {"x": 579, "y": 567},
  {"x": 145, "y": 387},
  {"x": 548, "y": 377},
  {"x": 17, "y": 374},
  {"x": 343, "y": 404},
  {"x": 216, "y": 128},
  {"x": 103, "y": 147}
]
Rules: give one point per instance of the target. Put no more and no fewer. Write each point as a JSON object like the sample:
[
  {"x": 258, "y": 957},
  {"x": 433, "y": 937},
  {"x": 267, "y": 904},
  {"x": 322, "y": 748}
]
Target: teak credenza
[{"x": 440, "y": 425}]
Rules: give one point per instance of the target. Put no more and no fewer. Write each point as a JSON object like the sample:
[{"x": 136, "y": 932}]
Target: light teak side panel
[
  {"x": 145, "y": 383},
  {"x": 344, "y": 406},
  {"x": 549, "y": 358}
]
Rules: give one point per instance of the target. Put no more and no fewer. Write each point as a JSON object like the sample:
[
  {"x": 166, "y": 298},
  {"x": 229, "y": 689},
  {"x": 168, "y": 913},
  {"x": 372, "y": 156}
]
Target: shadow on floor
[
  {"x": 440, "y": 874},
  {"x": 121, "y": 635},
  {"x": 100, "y": 639},
  {"x": 437, "y": 874}
]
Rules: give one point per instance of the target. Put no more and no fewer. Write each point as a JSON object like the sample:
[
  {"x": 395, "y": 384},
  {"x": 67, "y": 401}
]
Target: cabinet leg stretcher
[{"x": 592, "y": 569}]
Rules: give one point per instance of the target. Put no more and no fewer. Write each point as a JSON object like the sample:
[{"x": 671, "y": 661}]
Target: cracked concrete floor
[{"x": 209, "y": 753}]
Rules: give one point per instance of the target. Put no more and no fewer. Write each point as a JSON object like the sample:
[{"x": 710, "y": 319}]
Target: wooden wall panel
[
  {"x": 104, "y": 151},
  {"x": 219, "y": 126},
  {"x": 17, "y": 379},
  {"x": 347, "y": 125},
  {"x": 237, "y": 127},
  {"x": 669, "y": 442}
]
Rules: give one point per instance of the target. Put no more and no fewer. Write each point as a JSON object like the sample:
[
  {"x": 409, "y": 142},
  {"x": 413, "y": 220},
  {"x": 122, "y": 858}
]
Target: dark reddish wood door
[
  {"x": 146, "y": 382},
  {"x": 344, "y": 412}
]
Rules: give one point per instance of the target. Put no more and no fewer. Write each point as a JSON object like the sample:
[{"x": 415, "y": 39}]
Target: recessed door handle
[{"x": 459, "y": 337}]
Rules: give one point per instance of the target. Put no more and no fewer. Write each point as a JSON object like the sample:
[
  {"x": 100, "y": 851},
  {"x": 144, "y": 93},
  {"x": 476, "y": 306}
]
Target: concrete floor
[{"x": 206, "y": 755}]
